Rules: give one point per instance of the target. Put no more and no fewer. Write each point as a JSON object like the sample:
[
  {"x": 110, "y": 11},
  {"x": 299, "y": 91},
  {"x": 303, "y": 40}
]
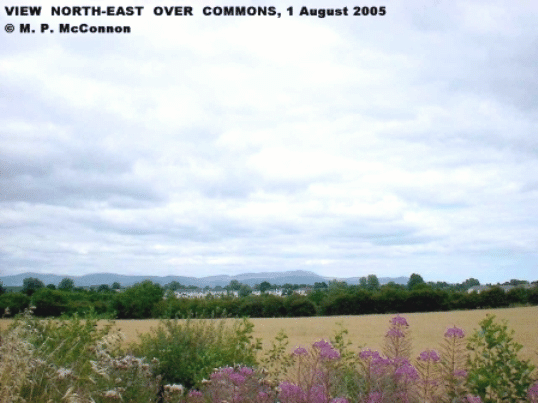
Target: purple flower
[
  {"x": 365, "y": 354},
  {"x": 329, "y": 354},
  {"x": 407, "y": 371},
  {"x": 393, "y": 332},
  {"x": 339, "y": 400},
  {"x": 290, "y": 393},
  {"x": 317, "y": 394},
  {"x": 532, "y": 393},
  {"x": 246, "y": 371},
  {"x": 429, "y": 355},
  {"x": 375, "y": 397},
  {"x": 460, "y": 373},
  {"x": 300, "y": 351},
  {"x": 262, "y": 397},
  {"x": 455, "y": 332},
  {"x": 399, "y": 320},
  {"x": 322, "y": 344},
  {"x": 326, "y": 350},
  {"x": 237, "y": 379},
  {"x": 195, "y": 393}
]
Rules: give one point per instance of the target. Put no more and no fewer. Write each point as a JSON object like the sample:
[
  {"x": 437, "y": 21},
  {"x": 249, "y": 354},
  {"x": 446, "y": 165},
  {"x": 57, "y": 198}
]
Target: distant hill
[{"x": 278, "y": 278}]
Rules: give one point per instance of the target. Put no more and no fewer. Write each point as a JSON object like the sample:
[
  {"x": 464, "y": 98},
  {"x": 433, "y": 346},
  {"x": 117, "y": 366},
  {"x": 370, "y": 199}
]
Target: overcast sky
[{"x": 346, "y": 146}]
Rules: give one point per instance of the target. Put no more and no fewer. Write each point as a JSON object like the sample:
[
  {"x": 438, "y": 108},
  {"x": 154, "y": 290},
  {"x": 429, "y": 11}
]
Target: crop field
[{"x": 427, "y": 329}]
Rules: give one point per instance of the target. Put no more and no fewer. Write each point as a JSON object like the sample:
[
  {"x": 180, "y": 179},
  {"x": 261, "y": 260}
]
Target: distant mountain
[{"x": 278, "y": 278}]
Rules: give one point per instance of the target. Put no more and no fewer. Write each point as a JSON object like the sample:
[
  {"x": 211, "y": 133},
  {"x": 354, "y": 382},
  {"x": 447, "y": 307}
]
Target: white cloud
[{"x": 350, "y": 146}]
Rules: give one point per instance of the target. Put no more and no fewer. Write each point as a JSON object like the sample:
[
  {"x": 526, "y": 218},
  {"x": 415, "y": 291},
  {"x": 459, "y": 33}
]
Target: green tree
[
  {"x": 470, "y": 282},
  {"x": 16, "y": 302},
  {"x": 320, "y": 286},
  {"x": 66, "y": 284},
  {"x": 363, "y": 283},
  {"x": 244, "y": 290},
  {"x": 116, "y": 285},
  {"x": 372, "y": 283},
  {"x": 103, "y": 288},
  {"x": 31, "y": 285},
  {"x": 2, "y": 289},
  {"x": 233, "y": 286},
  {"x": 49, "y": 302},
  {"x": 265, "y": 286},
  {"x": 51, "y": 286},
  {"x": 174, "y": 286},
  {"x": 414, "y": 281},
  {"x": 137, "y": 302}
]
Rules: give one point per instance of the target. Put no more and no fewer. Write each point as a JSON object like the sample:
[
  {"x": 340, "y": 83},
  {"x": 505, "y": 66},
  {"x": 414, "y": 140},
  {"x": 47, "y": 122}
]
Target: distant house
[
  {"x": 479, "y": 288},
  {"x": 277, "y": 292},
  {"x": 194, "y": 294}
]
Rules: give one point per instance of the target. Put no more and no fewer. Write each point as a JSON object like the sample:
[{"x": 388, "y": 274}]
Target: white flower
[
  {"x": 174, "y": 388},
  {"x": 64, "y": 373},
  {"x": 112, "y": 394}
]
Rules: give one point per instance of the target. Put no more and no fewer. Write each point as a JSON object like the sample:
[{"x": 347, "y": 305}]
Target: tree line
[{"x": 151, "y": 300}]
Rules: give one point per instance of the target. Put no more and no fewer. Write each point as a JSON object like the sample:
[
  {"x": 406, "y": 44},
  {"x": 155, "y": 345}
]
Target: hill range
[{"x": 278, "y": 278}]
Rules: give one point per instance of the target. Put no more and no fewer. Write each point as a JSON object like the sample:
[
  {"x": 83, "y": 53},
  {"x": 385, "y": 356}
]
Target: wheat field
[
  {"x": 368, "y": 330},
  {"x": 427, "y": 329}
]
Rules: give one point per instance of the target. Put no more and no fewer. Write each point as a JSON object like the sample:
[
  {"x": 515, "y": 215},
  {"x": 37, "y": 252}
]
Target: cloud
[{"x": 208, "y": 145}]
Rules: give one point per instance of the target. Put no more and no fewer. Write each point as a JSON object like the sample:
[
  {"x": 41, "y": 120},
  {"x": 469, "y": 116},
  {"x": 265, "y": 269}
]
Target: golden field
[{"x": 368, "y": 331}]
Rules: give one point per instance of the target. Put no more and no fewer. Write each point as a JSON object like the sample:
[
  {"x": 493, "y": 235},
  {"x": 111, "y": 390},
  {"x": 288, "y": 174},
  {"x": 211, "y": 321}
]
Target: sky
[{"x": 346, "y": 146}]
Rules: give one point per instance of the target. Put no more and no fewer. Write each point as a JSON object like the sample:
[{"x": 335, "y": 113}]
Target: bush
[
  {"x": 14, "y": 302},
  {"x": 297, "y": 305},
  {"x": 496, "y": 373},
  {"x": 188, "y": 351},
  {"x": 49, "y": 302},
  {"x": 138, "y": 301}
]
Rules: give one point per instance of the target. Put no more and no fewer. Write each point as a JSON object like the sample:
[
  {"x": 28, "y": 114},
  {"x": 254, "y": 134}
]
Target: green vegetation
[
  {"x": 151, "y": 300},
  {"x": 496, "y": 373},
  {"x": 208, "y": 361},
  {"x": 187, "y": 352}
]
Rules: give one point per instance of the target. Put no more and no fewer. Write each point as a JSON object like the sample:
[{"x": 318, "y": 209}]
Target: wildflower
[
  {"x": 395, "y": 333},
  {"x": 64, "y": 373},
  {"x": 326, "y": 350},
  {"x": 112, "y": 394},
  {"x": 429, "y": 355},
  {"x": 300, "y": 351},
  {"x": 175, "y": 388},
  {"x": 399, "y": 320},
  {"x": 322, "y": 344},
  {"x": 532, "y": 393},
  {"x": 365, "y": 354},
  {"x": 329, "y": 354},
  {"x": 407, "y": 371},
  {"x": 195, "y": 393},
  {"x": 290, "y": 393},
  {"x": 455, "y": 332},
  {"x": 339, "y": 400},
  {"x": 246, "y": 371},
  {"x": 375, "y": 397},
  {"x": 460, "y": 373},
  {"x": 262, "y": 396},
  {"x": 237, "y": 379}
]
